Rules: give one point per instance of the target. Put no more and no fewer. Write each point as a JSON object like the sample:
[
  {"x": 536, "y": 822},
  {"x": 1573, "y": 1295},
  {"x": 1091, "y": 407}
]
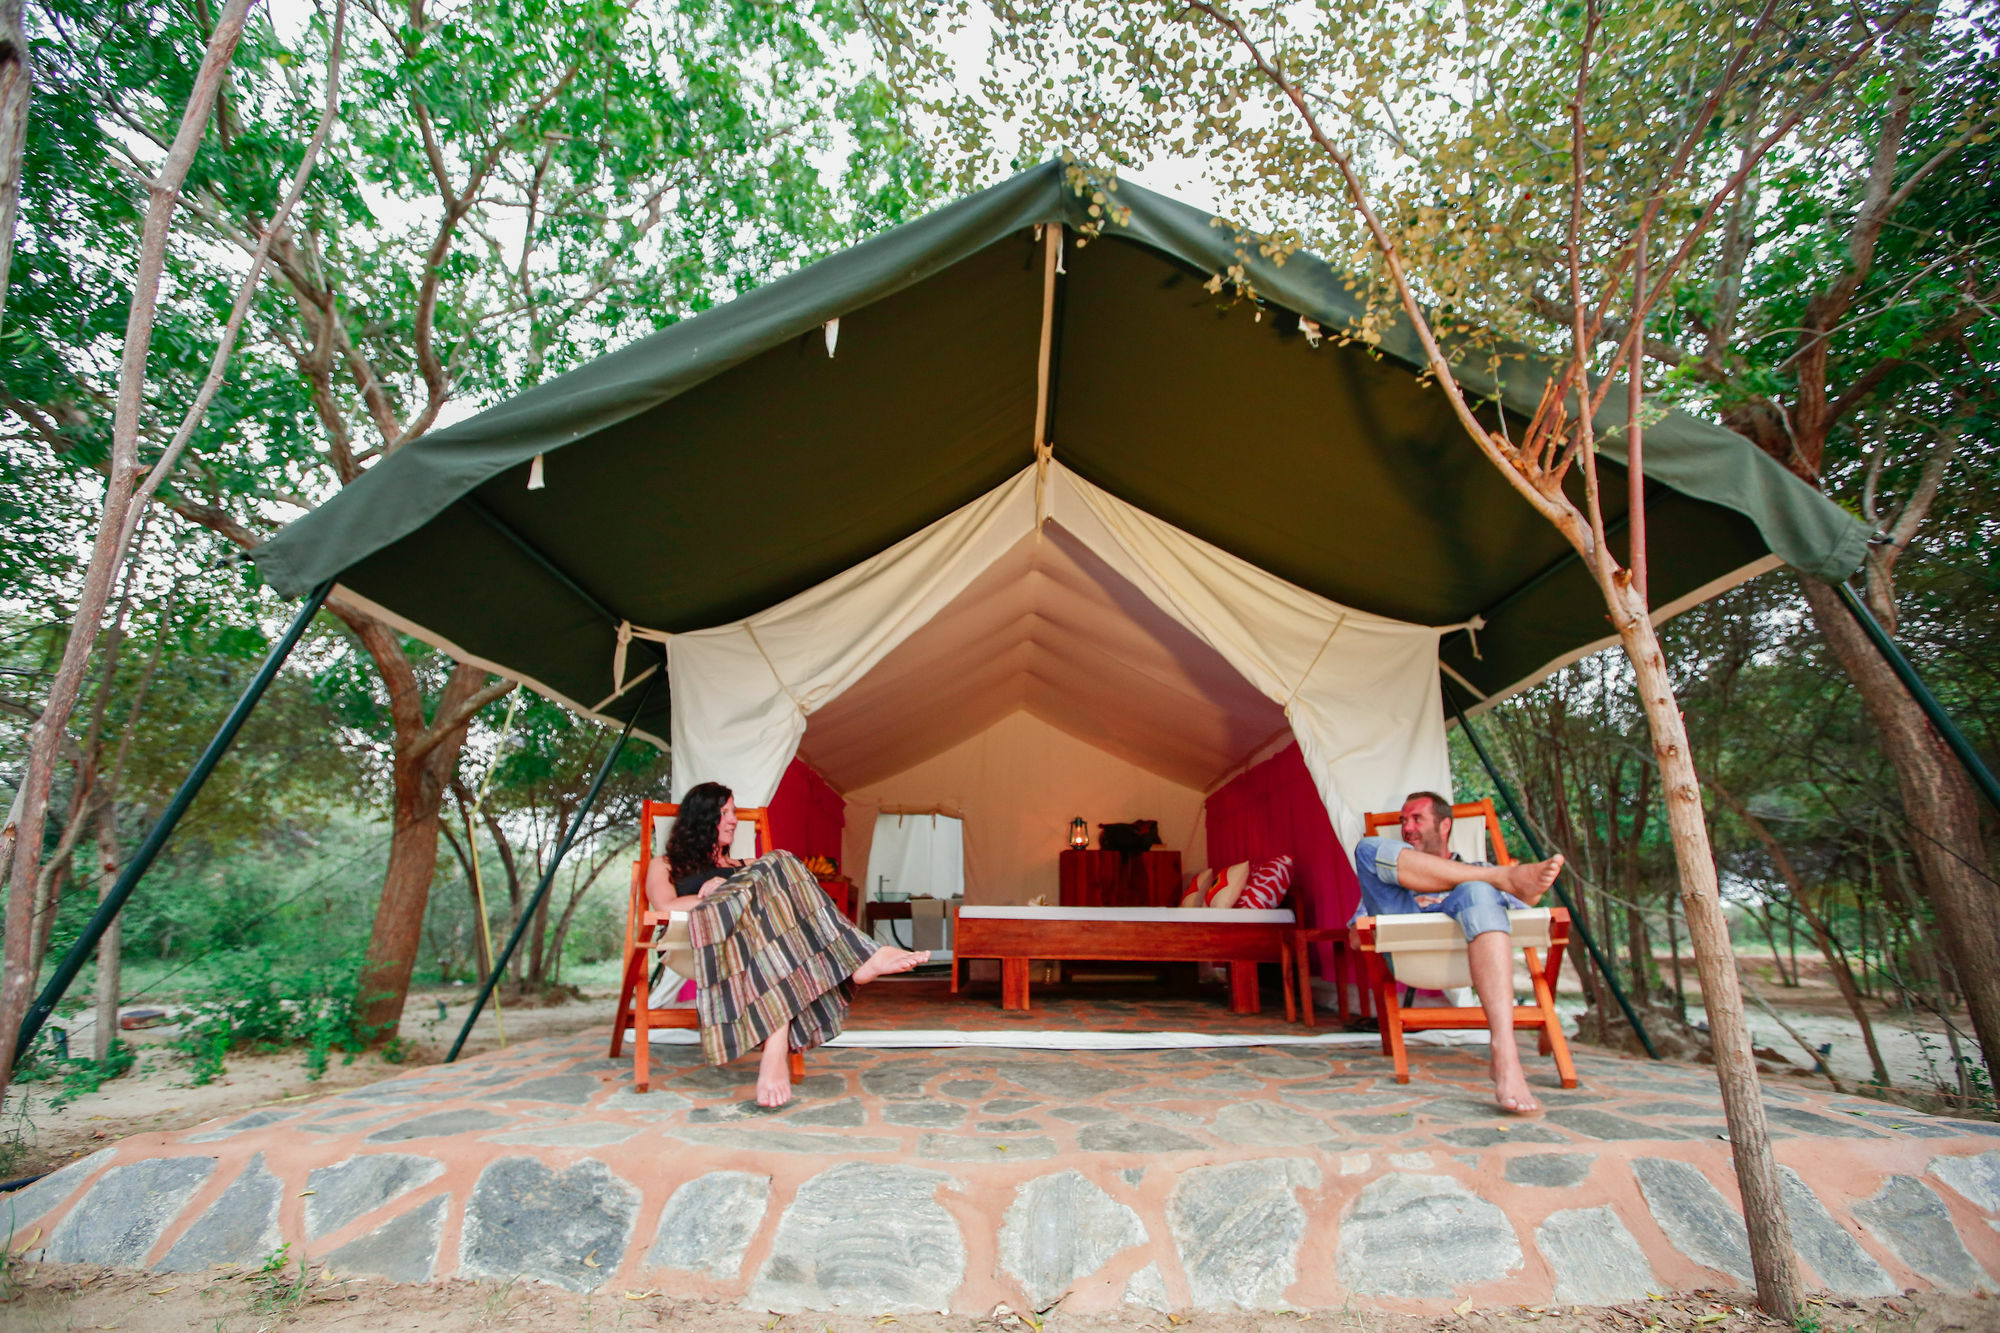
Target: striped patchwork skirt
[{"x": 771, "y": 950}]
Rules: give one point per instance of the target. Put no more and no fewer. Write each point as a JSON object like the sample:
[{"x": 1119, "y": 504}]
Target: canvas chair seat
[
  {"x": 1427, "y": 949},
  {"x": 673, "y": 948}
]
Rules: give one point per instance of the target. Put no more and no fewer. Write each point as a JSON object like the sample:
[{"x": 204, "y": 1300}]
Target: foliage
[
  {"x": 264, "y": 1003},
  {"x": 509, "y": 190},
  {"x": 78, "y": 1075}
]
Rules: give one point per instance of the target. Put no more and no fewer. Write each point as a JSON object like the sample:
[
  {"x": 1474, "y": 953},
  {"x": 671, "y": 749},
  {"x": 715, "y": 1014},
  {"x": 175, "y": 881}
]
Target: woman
[{"x": 774, "y": 963}]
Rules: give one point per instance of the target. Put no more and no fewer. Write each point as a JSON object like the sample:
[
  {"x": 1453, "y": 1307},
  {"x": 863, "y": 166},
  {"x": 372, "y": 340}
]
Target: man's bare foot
[
  {"x": 1510, "y": 1090},
  {"x": 889, "y": 959},
  {"x": 1530, "y": 880},
  {"x": 774, "y": 1074}
]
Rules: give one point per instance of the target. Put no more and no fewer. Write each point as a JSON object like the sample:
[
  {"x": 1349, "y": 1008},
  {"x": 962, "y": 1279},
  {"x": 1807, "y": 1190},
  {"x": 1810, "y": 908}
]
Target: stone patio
[{"x": 954, "y": 1179}]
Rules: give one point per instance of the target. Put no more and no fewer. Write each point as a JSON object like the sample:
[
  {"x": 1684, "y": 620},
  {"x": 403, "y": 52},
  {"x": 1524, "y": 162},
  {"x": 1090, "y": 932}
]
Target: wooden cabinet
[{"x": 1090, "y": 877}]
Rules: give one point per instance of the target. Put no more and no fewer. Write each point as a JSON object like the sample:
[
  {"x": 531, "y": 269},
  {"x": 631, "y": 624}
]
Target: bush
[
  {"x": 78, "y": 1075},
  {"x": 262, "y": 1003}
]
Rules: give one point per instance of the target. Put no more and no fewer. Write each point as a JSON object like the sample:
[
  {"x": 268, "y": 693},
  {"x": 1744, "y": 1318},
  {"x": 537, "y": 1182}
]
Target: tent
[{"x": 1009, "y": 511}]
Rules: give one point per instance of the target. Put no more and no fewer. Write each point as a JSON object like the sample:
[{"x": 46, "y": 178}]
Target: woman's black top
[{"x": 689, "y": 885}]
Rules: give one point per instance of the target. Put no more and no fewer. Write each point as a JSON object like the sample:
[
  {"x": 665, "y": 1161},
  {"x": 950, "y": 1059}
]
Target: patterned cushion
[
  {"x": 1198, "y": 887},
  {"x": 1267, "y": 884},
  {"x": 1228, "y": 885}
]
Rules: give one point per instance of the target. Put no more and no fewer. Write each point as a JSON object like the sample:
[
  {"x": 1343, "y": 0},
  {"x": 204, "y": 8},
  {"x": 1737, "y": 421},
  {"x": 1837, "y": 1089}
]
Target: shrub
[{"x": 264, "y": 1003}]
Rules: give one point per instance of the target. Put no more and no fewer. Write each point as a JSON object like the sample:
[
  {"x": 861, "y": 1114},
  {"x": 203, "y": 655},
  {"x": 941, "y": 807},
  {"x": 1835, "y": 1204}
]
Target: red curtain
[
  {"x": 807, "y": 814},
  {"x": 1274, "y": 809}
]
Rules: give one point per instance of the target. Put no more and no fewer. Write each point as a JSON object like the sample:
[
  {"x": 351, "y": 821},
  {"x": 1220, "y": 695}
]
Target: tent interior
[{"x": 1050, "y": 688}]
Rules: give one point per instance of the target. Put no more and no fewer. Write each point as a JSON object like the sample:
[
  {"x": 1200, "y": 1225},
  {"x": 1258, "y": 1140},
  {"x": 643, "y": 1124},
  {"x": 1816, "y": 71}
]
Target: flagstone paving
[{"x": 1243, "y": 1177}]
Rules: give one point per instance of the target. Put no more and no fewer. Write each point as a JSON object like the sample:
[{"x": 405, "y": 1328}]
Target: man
[{"x": 1418, "y": 873}]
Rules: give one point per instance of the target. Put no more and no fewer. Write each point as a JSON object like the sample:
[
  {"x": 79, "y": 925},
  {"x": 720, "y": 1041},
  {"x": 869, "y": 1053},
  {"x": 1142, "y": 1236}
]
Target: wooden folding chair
[
  {"x": 1428, "y": 949},
  {"x": 645, "y": 940}
]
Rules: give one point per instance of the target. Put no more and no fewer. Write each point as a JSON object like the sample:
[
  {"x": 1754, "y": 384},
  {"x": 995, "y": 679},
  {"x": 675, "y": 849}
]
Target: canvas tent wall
[{"x": 1206, "y": 448}]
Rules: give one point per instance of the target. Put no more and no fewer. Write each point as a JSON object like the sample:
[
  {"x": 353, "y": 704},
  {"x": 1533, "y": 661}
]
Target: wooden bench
[{"x": 1016, "y": 936}]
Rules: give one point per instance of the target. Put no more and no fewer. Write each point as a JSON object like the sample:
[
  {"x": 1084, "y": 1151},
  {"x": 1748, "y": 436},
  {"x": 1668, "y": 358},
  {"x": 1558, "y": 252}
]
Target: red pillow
[{"x": 1267, "y": 885}]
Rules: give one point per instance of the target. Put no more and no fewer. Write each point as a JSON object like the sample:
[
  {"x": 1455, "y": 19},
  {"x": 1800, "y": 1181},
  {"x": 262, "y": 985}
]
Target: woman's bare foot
[
  {"x": 1510, "y": 1089},
  {"x": 1530, "y": 880},
  {"x": 774, "y": 1072},
  {"x": 888, "y": 959}
]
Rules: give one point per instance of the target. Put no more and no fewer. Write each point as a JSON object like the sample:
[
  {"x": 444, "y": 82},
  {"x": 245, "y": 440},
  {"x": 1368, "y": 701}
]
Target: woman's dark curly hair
[{"x": 691, "y": 845}]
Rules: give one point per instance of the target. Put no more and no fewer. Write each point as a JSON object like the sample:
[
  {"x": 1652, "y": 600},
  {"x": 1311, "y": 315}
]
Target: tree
[
  {"x": 1855, "y": 348},
  {"x": 26, "y": 889},
  {"x": 1593, "y": 130},
  {"x": 509, "y": 190}
]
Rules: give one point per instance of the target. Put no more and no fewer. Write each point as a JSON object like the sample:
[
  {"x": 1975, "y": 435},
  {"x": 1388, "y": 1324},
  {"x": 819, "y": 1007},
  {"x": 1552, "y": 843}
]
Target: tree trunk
[
  {"x": 17, "y": 77},
  {"x": 1943, "y": 813},
  {"x": 1764, "y": 1216},
  {"x": 53, "y": 879},
  {"x": 1636, "y": 945},
  {"x": 1770, "y": 924},
  {"x": 109, "y": 980},
  {"x": 537, "y": 944},
  {"x": 1836, "y": 962},
  {"x": 1674, "y": 947},
  {"x": 421, "y": 780}
]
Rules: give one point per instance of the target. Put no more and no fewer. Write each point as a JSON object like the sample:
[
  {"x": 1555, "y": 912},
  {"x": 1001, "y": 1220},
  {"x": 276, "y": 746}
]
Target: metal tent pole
[
  {"x": 549, "y": 875},
  {"x": 142, "y": 860},
  {"x": 1535, "y": 845},
  {"x": 1982, "y": 776}
]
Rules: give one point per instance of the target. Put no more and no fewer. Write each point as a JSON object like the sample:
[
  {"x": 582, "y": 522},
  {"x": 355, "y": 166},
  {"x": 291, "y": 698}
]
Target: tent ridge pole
[
  {"x": 1060, "y": 279},
  {"x": 1906, "y": 671},
  {"x": 529, "y": 908},
  {"x": 1535, "y": 844},
  {"x": 142, "y": 859},
  {"x": 1052, "y": 242}
]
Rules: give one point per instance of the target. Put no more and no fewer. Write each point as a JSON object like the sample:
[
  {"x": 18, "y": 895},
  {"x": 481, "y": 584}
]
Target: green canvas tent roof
[{"x": 728, "y": 462}]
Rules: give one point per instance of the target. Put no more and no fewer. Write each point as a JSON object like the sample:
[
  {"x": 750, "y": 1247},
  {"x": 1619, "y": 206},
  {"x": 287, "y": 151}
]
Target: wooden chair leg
[
  {"x": 624, "y": 1014},
  {"x": 1391, "y": 1017},
  {"x": 796, "y": 1062},
  {"x": 1285, "y": 966},
  {"x": 642, "y": 1043},
  {"x": 1553, "y": 1042}
]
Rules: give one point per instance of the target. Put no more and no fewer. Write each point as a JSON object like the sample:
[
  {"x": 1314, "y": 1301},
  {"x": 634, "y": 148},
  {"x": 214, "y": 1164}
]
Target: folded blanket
[{"x": 770, "y": 949}]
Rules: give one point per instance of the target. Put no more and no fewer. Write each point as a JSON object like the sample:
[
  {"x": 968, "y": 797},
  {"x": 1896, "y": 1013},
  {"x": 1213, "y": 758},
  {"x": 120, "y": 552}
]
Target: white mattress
[{"x": 1184, "y": 915}]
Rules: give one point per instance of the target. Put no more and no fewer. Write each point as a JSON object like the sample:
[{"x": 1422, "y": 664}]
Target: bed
[{"x": 1240, "y": 937}]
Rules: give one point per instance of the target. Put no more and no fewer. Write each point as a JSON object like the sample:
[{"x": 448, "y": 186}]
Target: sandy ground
[{"x": 59, "y": 1298}]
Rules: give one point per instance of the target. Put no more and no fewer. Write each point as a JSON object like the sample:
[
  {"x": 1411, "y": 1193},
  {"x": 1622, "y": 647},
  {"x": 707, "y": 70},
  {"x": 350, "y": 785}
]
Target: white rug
[{"x": 1051, "y": 1040}]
